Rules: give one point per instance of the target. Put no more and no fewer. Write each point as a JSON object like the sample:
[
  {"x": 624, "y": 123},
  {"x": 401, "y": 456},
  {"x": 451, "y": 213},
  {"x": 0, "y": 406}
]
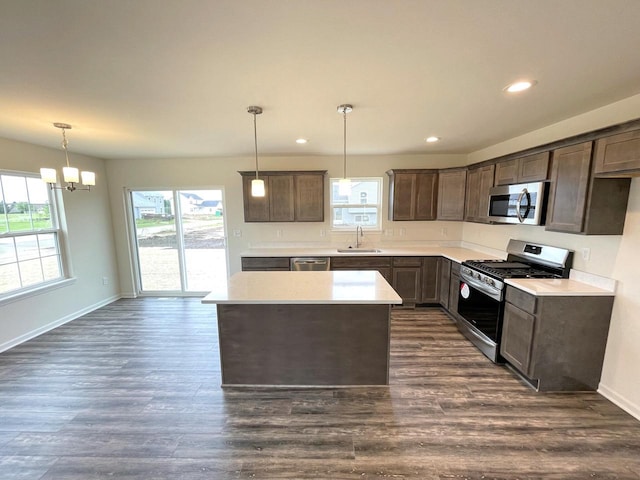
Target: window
[
  {"x": 29, "y": 234},
  {"x": 361, "y": 206}
]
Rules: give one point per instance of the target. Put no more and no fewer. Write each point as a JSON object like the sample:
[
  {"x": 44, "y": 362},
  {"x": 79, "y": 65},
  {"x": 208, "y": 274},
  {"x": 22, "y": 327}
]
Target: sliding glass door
[{"x": 179, "y": 240}]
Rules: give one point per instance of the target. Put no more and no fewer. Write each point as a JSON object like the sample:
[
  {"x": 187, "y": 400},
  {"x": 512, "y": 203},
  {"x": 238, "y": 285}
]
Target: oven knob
[{"x": 489, "y": 281}]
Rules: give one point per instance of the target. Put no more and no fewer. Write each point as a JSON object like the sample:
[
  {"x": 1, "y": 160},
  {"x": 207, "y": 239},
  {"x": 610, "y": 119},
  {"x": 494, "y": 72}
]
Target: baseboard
[
  {"x": 625, "y": 404},
  {"x": 50, "y": 326}
]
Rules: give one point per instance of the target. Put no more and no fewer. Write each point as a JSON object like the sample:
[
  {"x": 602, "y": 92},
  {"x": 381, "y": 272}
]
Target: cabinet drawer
[
  {"x": 407, "y": 261},
  {"x": 521, "y": 299},
  {"x": 354, "y": 263},
  {"x": 265, "y": 263}
]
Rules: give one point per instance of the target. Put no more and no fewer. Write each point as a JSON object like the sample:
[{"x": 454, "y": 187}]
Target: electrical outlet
[
  {"x": 443, "y": 231},
  {"x": 105, "y": 280},
  {"x": 389, "y": 232},
  {"x": 403, "y": 231},
  {"x": 586, "y": 253},
  {"x": 323, "y": 232},
  {"x": 279, "y": 233},
  {"x": 237, "y": 232}
]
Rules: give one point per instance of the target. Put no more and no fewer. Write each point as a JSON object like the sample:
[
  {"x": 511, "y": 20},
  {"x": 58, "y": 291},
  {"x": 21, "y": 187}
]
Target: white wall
[
  {"x": 90, "y": 242},
  {"x": 191, "y": 173},
  {"x": 615, "y": 257}
]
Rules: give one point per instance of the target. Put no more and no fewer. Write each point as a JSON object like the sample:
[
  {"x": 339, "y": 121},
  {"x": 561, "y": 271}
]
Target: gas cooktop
[{"x": 502, "y": 269}]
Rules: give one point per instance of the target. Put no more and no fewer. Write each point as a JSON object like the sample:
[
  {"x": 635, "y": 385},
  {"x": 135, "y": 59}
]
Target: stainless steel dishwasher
[{"x": 310, "y": 264}]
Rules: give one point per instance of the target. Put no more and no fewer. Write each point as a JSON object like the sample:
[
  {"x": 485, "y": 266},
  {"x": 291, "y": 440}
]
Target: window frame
[
  {"x": 376, "y": 206},
  {"x": 59, "y": 244}
]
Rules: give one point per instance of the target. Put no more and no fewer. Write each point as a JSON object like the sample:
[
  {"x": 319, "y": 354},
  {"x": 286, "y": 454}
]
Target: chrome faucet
[{"x": 358, "y": 229}]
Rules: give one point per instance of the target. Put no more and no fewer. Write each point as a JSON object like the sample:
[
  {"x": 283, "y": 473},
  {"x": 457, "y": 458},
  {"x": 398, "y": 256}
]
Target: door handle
[{"x": 519, "y": 205}]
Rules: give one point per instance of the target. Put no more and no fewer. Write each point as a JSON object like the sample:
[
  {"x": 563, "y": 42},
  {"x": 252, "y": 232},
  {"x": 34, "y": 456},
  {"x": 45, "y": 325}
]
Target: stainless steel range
[{"x": 481, "y": 295}]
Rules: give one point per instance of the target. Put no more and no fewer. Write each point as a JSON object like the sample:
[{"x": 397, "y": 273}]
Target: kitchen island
[{"x": 304, "y": 328}]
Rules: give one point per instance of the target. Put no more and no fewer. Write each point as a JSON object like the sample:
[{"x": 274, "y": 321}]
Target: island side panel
[{"x": 295, "y": 344}]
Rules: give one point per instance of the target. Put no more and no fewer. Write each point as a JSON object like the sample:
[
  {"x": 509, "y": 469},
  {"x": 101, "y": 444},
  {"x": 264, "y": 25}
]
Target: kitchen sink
[{"x": 359, "y": 250}]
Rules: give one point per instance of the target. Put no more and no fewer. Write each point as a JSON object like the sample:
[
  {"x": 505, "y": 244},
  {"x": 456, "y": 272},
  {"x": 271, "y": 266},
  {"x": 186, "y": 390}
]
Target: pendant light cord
[
  {"x": 255, "y": 141},
  {"x": 344, "y": 151},
  {"x": 64, "y": 145}
]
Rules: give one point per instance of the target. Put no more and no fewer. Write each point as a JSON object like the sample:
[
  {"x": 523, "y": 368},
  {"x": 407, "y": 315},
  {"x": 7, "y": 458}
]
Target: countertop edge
[{"x": 557, "y": 288}]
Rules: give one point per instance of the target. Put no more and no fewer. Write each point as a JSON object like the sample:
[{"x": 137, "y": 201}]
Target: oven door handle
[
  {"x": 482, "y": 287},
  {"x": 478, "y": 336},
  {"x": 523, "y": 193}
]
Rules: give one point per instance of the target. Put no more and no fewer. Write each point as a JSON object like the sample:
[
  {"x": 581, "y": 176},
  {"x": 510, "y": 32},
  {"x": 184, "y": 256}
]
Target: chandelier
[{"x": 69, "y": 174}]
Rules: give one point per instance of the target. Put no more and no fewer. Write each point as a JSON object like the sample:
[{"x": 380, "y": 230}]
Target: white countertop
[
  {"x": 457, "y": 254},
  {"x": 335, "y": 287},
  {"x": 557, "y": 287}
]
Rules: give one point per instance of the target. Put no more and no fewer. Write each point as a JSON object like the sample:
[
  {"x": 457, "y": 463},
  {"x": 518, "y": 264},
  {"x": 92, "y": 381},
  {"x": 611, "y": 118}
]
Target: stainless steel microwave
[{"x": 522, "y": 203}]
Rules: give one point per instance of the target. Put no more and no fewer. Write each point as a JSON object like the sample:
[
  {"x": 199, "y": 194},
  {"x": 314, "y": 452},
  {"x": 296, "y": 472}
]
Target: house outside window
[
  {"x": 362, "y": 206},
  {"x": 30, "y": 254}
]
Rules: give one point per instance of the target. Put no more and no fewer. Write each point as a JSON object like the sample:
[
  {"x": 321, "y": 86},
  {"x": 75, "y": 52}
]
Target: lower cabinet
[
  {"x": 381, "y": 264},
  {"x": 556, "y": 342},
  {"x": 407, "y": 279},
  {"x": 445, "y": 281},
  {"x": 517, "y": 334},
  {"x": 255, "y": 264},
  {"x": 430, "y": 280},
  {"x": 454, "y": 289},
  {"x": 449, "y": 285}
]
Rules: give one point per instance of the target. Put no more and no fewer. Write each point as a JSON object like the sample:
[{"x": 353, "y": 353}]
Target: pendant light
[
  {"x": 344, "y": 184},
  {"x": 257, "y": 184},
  {"x": 69, "y": 173}
]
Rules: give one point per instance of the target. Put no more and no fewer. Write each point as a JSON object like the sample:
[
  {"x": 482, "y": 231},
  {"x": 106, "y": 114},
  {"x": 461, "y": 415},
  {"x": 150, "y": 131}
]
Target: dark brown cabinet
[
  {"x": 281, "y": 198},
  {"x": 407, "y": 279},
  {"x": 413, "y": 194},
  {"x": 452, "y": 187},
  {"x": 454, "y": 289},
  {"x": 309, "y": 197},
  {"x": 581, "y": 203},
  {"x": 381, "y": 264},
  {"x": 557, "y": 342},
  {"x": 289, "y": 197},
  {"x": 449, "y": 285},
  {"x": 255, "y": 264},
  {"x": 479, "y": 181},
  {"x": 517, "y": 335},
  {"x": 430, "y": 280},
  {"x": 618, "y": 154},
  {"x": 444, "y": 282},
  {"x": 531, "y": 168}
]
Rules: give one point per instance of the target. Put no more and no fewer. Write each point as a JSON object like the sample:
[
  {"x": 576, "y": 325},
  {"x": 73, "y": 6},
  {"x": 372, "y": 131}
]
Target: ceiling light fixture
[
  {"x": 432, "y": 139},
  {"x": 69, "y": 173},
  {"x": 344, "y": 185},
  {"x": 519, "y": 86},
  {"x": 257, "y": 184},
  {"x": 301, "y": 141}
]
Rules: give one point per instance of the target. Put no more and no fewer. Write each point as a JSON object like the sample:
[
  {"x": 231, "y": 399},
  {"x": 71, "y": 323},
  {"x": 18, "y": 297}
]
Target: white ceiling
[{"x": 173, "y": 78}]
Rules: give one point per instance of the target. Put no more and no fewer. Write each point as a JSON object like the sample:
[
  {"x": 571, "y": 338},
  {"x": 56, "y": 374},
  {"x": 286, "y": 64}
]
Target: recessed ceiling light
[
  {"x": 301, "y": 140},
  {"x": 520, "y": 86},
  {"x": 432, "y": 139}
]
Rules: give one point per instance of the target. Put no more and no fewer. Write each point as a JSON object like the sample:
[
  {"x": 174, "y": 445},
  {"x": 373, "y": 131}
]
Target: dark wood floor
[{"x": 131, "y": 391}]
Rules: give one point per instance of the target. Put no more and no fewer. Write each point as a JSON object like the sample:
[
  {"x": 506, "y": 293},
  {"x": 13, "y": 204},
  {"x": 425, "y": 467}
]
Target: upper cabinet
[
  {"x": 532, "y": 168},
  {"x": 289, "y": 197},
  {"x": 479, "y": 181},
  {"x": 452, "y": 187},
  {"x": 580, "y": 203},
  {"x": 413, "y": 194},
  {"x": 618, "y": 154}
]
